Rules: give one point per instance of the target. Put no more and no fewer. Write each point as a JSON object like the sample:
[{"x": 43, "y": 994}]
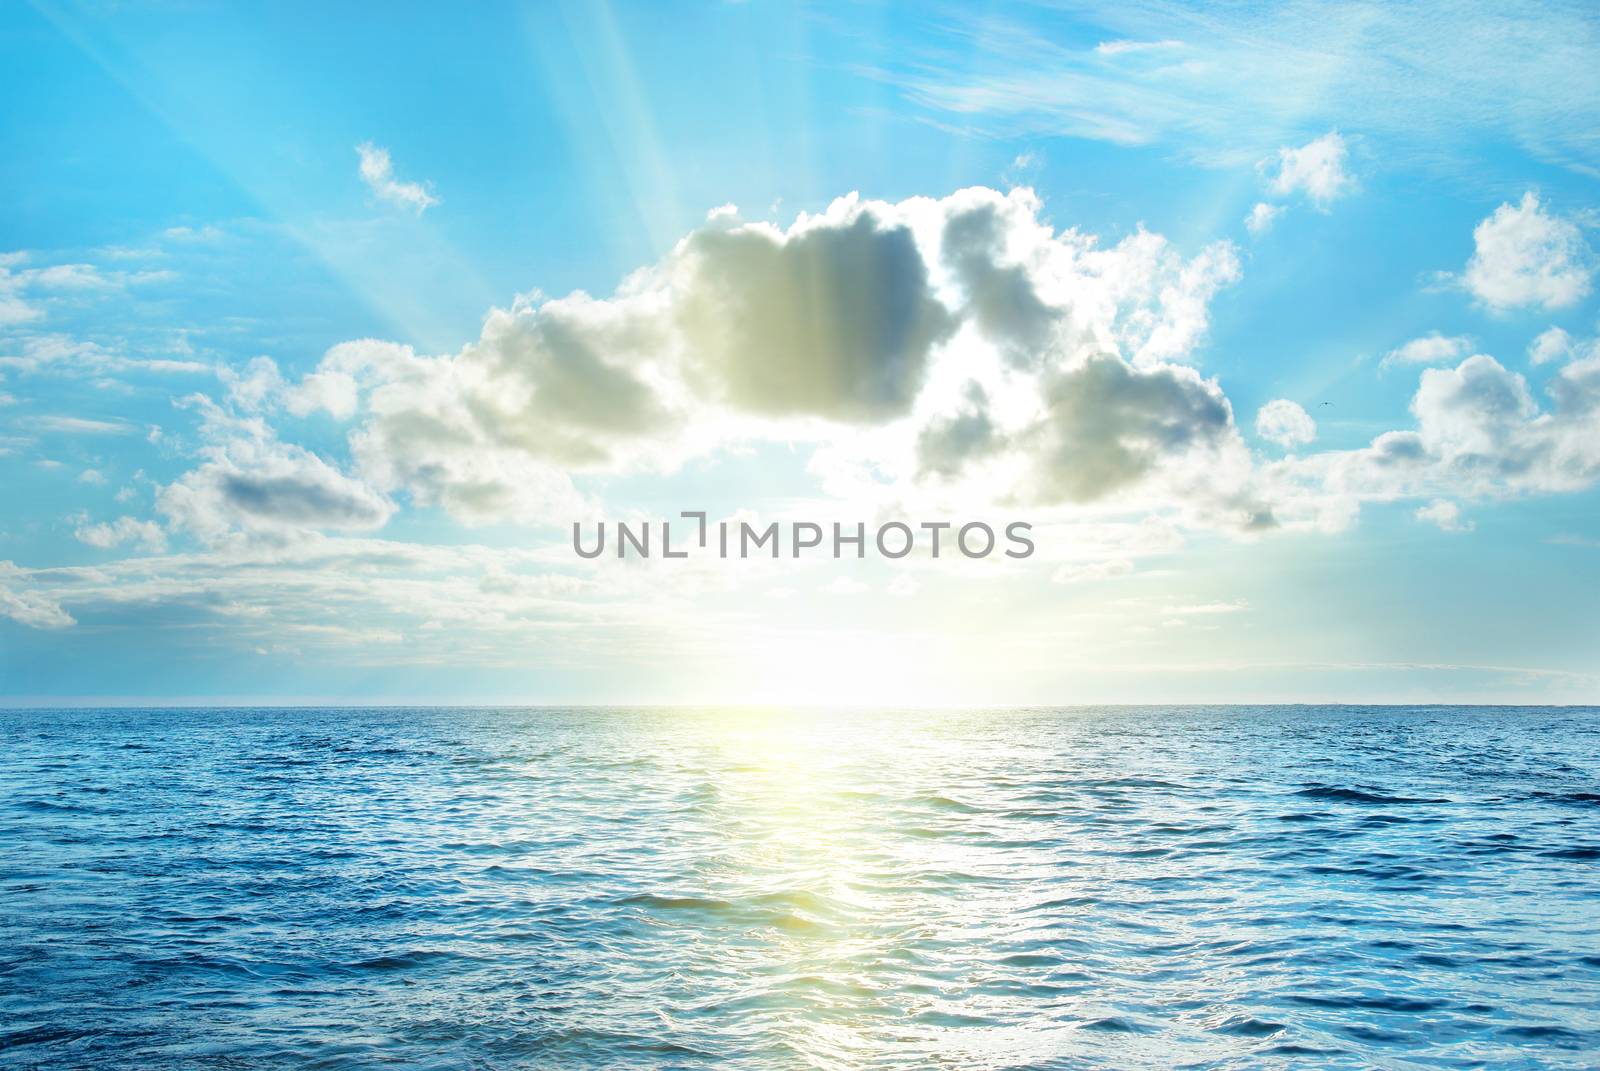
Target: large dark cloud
[
  {"x": 1109, "y": 425},
  {"x": 1002, "y": 298},
  {"x": 834, "y": 321}
]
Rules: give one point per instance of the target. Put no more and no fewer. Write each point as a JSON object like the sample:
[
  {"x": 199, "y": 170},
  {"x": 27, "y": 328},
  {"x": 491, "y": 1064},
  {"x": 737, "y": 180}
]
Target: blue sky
[{"x": 1278, "y": 325}]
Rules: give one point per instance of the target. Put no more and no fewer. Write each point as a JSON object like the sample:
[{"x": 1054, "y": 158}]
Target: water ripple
[{"x": 1130, "y": 888}]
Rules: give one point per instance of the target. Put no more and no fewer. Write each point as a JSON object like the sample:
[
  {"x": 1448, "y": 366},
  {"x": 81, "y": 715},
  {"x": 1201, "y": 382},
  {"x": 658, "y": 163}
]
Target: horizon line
[{"x": 50, "y": 704}]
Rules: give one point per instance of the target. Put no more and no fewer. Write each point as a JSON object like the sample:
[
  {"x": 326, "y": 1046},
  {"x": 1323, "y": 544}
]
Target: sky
[{"x": 320, "y": 328}]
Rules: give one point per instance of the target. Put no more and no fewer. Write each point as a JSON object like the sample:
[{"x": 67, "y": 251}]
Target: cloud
[
  {"x": 60, "y": 354},
  {"x": 1117, "y": 48},
  {"x": 839, "y": 309},
  {"x": 70, "y": 425},
  {"x": 252, "y": 484},
  {"x": 1108, "y": 425},
  {"x": 1551, "y": 345},
  {"x": 1316, "y": 169},
  {"x": 1204, "y": 609},
  {"x": 1405, "y": 76},
  {"x": 377, "y": 171},
  {"x": 146, "y": 534},
  {"x": 14, "y": 307},
  {"x": 28, "y": 607},
  {"x": 1261, "y": 217},
  {"x": 26, "y": 291},
  {"x": 358, "y": 600},
  {"x": 289, "y": 490},
  {"x": 1555, "y": 344},
  {"x": 1285, "y": 423},
  {"x": 1480, "y": 433},
  {"x": 333, "y": 392},
  {"x": 1432, "y": 348},
  {"x": 1525, "y": 257},
  {"x": 946, "y": 444},
  {"x": 957, "y": 342},
  {"x": 1444, "y": 514}
]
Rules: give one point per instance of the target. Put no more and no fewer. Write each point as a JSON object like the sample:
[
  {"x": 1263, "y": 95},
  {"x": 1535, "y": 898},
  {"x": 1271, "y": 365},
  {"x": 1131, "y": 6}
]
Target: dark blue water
[{"x": 1151, "y": 888}]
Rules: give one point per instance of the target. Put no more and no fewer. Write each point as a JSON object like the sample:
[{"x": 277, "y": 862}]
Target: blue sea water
[{"x": 541, "y": 888}]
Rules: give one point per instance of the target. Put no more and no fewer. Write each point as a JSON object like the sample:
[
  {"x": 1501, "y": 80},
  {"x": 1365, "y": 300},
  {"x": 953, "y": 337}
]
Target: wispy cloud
[
  {"x": 1117, "y": 48},
  {"x": 1247, "y": 77},
  {"x": 71, "y": 425},
  {"x": 377, "y": 171},
  {"x": 1204, "y": 609}
]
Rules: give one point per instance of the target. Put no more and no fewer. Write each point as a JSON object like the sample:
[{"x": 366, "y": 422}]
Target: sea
[{"x": 1151, "y": 887}]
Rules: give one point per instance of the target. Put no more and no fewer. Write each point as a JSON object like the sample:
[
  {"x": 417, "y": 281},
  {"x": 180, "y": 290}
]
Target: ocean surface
[{"x": 556, "y": 888}]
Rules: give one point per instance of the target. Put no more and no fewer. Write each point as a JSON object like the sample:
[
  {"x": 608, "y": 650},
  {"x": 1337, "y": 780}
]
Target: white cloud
[
  {"x": 1023, "y": 170},
  {"x": 1444, "y": 514},
  {"x": 377, "y": 171},
  {"x": 1205, "y": 609},
  {"x": 70, "y": 425},
  {"x": 332, "y": 392},
  {"x": 1480, "y": 433},
  {"x": 365, "y": 599},
  {"x": 1551, "y": 345},
  {"x": 957, "y": 353},
  {"x": 1557, "y": 345},
  {"x": 1525, "y": 257},
  {"x": 56, "y": 353},
  {"x": 1262, "y": 216},
  {"x": 14, "y": 307},
  {"x": 1249, "y": 72},
  {"x": 875, "y": 329},
  {"x": 1432, "y": 348},
  {"x": 146, "y": 534},
  {"x": 1316, "y": 169},
  {"x": 1119, "y": 47},
  {"x": 250, "y": 483},
  {"x": 253, "y": 387},
  {"x": 28, "y": 607},
  {"x": 1285, "y": 423},
  {"x": 26, "y": 291},
  {"x": 260, "y": 386}
]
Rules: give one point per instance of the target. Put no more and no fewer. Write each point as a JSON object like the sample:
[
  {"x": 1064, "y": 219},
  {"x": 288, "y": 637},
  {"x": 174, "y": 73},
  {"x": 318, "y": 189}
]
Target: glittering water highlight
[{"x": 1129, "y": 888}]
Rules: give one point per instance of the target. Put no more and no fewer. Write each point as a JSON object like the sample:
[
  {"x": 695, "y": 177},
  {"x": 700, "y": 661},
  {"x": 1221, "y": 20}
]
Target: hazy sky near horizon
[{"x": 320, "y": 327}]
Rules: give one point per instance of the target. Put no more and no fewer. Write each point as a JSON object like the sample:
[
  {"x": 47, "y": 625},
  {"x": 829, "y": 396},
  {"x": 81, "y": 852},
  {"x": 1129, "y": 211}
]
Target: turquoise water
[{"x": 1128, "y": 888}]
